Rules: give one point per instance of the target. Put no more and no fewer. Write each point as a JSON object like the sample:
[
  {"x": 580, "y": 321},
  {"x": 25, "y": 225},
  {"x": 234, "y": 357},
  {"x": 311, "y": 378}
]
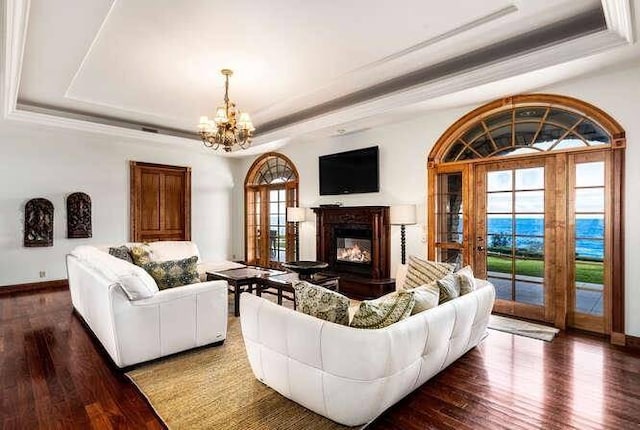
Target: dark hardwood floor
[{"x": 52, "y": 375}]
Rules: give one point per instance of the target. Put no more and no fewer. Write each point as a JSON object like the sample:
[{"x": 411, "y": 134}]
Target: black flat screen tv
[{"x": 350, "y": 172}]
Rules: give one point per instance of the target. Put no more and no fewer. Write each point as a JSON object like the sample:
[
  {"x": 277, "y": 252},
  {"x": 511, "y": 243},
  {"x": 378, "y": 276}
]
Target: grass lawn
[{"x": 591, "y": 272}]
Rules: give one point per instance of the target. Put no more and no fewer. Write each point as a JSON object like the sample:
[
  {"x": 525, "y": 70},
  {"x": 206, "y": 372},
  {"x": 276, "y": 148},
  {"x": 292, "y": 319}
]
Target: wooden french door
[
  {"x": 513, "y": 244},
  {"x": 589, "y": 241},
  {"x": 272, "y": 238}
]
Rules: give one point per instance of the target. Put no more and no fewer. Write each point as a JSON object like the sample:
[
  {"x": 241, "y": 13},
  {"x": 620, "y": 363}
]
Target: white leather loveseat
[
  {"x": 131, "y": 318},
  {"x": 352, "y": 375}
]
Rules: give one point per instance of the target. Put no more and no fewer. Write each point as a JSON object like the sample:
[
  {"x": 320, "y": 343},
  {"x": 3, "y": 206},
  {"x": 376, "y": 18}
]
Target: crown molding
[
  {"x": 15, "y": 15},
  {"x": 618, "y": 15}
]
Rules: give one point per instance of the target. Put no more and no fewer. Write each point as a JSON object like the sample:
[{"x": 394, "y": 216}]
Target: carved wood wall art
[
  {"x": 38, "y": 223},
  {"x": 79, "y": 216}
]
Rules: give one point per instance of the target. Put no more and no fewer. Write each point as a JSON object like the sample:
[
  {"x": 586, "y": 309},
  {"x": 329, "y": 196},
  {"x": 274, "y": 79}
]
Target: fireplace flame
[{"x": 354, "y": 254}]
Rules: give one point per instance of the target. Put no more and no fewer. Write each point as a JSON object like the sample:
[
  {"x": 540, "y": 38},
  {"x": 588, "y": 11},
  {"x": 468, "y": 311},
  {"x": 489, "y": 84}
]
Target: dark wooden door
[{"x": 160, "y": 202}]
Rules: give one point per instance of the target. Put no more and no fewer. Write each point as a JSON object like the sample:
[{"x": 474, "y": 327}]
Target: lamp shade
[
  {"x": 295, "y": 214},
  {"x": 403, "y": 214}
]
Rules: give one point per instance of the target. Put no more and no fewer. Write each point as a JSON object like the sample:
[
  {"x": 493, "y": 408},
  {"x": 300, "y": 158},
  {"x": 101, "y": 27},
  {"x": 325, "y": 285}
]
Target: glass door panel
[
  {"x": 588, "y": 243},
  {"x": 511, "y": 238},
  {"x": 449, "y": 218}
]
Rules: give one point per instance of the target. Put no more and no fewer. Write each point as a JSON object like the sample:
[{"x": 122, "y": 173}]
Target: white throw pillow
[
  {"x": 466, "y": 279},
  {"x": 427, "y": 297}
]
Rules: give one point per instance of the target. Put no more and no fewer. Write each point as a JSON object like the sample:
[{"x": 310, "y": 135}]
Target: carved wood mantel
[{"x": 362, "y": 281}]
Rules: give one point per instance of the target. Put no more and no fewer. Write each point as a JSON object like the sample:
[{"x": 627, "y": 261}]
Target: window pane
[
  {"x": 499, "y": 202},
  {"x": 571, "y": 141},
  {"x": 590, "y": 249},
  {"x": 500, "y": 243},
  {"x": 589, "y": 226},
  {"x": 590, "y": 174},
  {"x": 530, "y": 201},
  {"x": 502, "y": 136},
  {"x": 499, "y": 225},
  {"x": 563, "y": 118},
  {"x": 592, "y": 133},
  {"x": 590, "y": 200},
  {"x": 526, "y": 225},
  {"x": 499, "y": 181},
  {"x": 530, "y": 179}
]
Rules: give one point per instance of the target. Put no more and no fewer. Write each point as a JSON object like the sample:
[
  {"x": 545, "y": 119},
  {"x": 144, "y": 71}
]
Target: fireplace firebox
[{"x": 354, "y": 241}]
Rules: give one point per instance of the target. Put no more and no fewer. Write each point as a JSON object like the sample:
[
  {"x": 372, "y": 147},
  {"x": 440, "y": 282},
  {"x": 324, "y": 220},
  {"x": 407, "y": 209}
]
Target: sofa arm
[{"x": 173, "y": 320}]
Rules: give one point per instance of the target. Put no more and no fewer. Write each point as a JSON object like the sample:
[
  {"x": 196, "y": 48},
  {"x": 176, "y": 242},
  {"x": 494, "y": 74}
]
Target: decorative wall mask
[
  {"x": 78, "y": 216},
  {"x": 38, "y": 223}
]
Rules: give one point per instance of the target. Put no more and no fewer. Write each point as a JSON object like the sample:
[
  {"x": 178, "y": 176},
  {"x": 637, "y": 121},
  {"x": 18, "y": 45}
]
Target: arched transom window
[{"x": 527, "y": 130}]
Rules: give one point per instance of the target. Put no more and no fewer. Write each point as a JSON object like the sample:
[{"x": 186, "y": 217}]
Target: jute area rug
[
  {"x": 522, "y": 328},
  {"x": 214, "y": 388}
]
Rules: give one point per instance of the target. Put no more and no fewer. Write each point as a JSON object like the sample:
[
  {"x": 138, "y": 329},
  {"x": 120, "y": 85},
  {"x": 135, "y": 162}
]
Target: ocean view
[{"x": 589, "y": 235}]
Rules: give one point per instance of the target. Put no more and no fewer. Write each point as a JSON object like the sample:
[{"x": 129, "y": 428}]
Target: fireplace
[
  {"x": 353, "y": 246},
  {"x": 354, "y": 241}
]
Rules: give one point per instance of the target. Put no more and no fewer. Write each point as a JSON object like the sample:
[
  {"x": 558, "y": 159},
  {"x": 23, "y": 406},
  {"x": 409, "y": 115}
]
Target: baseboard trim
[
  {"x": 632, "y": 342},
  {"x": 57, "y": 284}
]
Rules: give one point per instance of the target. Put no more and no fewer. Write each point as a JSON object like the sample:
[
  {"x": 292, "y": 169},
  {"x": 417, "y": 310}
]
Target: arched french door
[
  {"x": 528, "y": 190},
  {"x": 271, "y": 186}
]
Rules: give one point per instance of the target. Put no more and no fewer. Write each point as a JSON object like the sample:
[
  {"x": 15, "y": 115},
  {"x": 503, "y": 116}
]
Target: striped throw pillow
[
  {"x": 449, "y": 288},
  {"x": 420, "y": 272}
]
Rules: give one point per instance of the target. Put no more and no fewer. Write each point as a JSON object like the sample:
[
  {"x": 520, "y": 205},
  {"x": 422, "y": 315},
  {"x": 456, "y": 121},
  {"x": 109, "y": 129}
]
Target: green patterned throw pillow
[
  {"x": 141, "y": 254},
  {"x": 173, "y": 273},
  {"x": 384, "y": 311},
  {"x": 420, "y": 272},
  {"x": 449, "y": 288},
  {"x": 321, "y": 302},
  {"x": 121, "y": 252}
]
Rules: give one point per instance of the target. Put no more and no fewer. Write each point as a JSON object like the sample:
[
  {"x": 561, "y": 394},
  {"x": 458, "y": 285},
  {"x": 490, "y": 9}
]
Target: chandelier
[{"x": 229, "y": 127}]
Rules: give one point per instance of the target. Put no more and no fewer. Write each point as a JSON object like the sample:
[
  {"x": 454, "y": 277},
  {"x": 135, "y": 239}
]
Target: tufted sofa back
[{"x": 352, "y": 375}]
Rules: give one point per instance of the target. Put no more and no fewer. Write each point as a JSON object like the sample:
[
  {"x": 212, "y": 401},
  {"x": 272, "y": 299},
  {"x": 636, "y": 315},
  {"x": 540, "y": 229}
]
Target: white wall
[
  {"x": 403, "y": 152},
  {"x": 52, "y": 163}
]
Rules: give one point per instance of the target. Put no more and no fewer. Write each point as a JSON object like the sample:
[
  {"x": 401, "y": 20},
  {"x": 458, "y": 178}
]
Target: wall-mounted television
[{"x": 350, "y": 172}]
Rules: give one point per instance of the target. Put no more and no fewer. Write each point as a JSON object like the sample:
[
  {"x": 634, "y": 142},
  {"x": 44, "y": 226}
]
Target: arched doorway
[
  {"x": 528, "y": 190},
  {"x": 270, "y": 187}
]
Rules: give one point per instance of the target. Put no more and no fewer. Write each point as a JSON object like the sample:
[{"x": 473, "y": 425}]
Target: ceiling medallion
[{"x": 229, "y": 127}]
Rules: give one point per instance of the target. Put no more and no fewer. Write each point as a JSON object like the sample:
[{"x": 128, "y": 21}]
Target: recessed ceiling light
[{"x": 341, "y": 131}]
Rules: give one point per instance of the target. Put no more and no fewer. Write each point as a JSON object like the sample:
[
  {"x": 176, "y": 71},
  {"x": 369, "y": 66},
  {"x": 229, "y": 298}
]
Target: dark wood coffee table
[
  {"x": 242, "y": 279},
  {"x": 284, "y": 284}
]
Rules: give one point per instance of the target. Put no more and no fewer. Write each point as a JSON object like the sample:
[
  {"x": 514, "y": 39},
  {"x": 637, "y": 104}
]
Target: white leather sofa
[
  {"x": 352, "y": 375},
  {"x": 132, "y": 319}
]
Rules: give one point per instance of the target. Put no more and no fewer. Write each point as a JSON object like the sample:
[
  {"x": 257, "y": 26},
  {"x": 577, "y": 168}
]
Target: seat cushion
[
  {"x": 384, "y": 311},
  {"x": 321, "y": 302},
  {"x": 421, "y": 272},
  {"x": 173, "y": 273}
]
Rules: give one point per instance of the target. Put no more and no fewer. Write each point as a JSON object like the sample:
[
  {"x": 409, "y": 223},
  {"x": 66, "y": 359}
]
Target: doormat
[{"x": 522, "y": 328}]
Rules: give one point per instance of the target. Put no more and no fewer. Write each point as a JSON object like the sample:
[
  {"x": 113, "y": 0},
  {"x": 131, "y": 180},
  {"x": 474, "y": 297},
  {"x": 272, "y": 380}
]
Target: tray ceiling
[{"x": 157, "y": 62}]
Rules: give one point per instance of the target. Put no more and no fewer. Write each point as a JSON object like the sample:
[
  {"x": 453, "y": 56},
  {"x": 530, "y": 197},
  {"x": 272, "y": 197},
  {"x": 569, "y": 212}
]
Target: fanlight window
[
  {"x": 526, "y": 130},
  {"x": 274, "y": 170}
]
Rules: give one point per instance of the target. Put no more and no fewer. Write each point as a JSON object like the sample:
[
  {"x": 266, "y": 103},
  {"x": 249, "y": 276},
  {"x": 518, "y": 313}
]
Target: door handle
[{"x": 480, "y": 248}]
